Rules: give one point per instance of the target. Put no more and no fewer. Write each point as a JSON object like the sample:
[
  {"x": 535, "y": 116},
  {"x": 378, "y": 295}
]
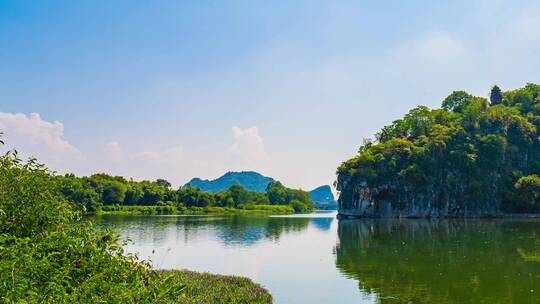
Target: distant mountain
[
  {"x": 248, "y": 179},
  {"x": 321, "y": 196}
]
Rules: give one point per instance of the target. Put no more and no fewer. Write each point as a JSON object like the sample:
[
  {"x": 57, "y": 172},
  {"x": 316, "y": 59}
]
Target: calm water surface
[{"x": 318, "y": 259}]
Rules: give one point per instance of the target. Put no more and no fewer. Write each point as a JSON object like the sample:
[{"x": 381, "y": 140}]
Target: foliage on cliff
[{"x": 471, "y": 153}]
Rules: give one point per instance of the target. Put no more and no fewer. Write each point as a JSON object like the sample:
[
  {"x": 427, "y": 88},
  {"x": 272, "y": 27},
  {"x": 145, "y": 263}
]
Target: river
[{"x": 315, "y": 258}]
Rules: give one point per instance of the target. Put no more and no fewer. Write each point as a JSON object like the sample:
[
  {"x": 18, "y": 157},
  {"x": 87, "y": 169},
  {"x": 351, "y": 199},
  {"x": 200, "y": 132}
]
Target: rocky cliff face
[{"x": 357, "y": 200}]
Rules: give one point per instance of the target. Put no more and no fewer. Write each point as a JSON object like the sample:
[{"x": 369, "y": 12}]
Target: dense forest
[
  {"x": 472, "y": 157},
  {"x": 105, "y": 192}
]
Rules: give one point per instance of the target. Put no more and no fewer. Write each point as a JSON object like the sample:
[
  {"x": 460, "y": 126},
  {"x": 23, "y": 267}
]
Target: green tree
[
  {"x": 456, "y": 101},
  {"x": 495, "y": 96},
  {"x": 74, "y": 190},
  {"x": 114, "y": 193},
  {"x": 163, "y": 183},
  {"x": 134, "y": 194},
  {"x": 224, "y": 199},
  {"x": 239, "y": 195},
  {"x": 194, "y": 197},
  {"x": 528, "y": 190},
  {"x": 299, "y": 207},
  {"x": 152, "y": 193},
  {"x": 276, "y": 193}
]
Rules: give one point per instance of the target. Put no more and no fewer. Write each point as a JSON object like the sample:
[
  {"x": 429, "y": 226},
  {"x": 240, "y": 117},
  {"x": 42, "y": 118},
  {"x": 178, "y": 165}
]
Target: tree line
[{"x": 99, "y": 190}]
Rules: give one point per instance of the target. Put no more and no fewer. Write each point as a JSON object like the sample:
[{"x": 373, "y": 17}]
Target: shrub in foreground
[{"x": 48, "y": 255}]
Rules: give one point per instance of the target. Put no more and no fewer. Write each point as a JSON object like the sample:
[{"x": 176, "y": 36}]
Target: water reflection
[
  {"x": 322, "y": 223},
  {"x": 292, "y": 256},
  {"x": 416, "y": 261},
  {"x": 245, "y": 231},
  {"x": 235, "y": 230}
]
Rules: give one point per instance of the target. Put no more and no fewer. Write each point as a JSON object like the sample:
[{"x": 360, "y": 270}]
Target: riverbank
[
  {"x": 351, "y": 216},
  {"x": 171, "y": 210},
  {"x": 211, "y": 288}
]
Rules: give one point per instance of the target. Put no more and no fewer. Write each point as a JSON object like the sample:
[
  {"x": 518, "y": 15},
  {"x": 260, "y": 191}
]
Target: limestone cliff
[
  {"x": 357, "y": 200},
  {"x": 470, "y": 158}
]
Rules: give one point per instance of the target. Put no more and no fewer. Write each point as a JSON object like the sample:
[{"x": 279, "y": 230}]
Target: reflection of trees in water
[
  {"x": 143, "y": 229},
  {"x": 232, "y": 230},
  {"x": 246, "y": 230},
  {"x": 442, "y": 261}
]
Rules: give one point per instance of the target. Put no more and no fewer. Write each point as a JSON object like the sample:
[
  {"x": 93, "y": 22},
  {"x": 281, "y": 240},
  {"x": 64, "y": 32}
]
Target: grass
[
  {"x": 155, "y": 210},
  {"x": 199, "y": 288}
]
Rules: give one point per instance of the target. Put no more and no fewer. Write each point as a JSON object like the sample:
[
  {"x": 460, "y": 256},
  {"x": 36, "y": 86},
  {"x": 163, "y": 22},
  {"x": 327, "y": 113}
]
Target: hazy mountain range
[{"x": 256, "y": 182}]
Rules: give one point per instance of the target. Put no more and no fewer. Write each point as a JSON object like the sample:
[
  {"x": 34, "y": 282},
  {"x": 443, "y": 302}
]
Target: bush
[
  {"x": 299, "y": 207},
  {"x": 48, "y": 255},
  {"x": 528, "y": 192}
]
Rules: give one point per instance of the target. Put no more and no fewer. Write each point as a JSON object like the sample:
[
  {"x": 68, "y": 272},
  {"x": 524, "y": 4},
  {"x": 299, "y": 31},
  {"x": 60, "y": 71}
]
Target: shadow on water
[
  {"x": 233, "y": 230},
  {"x": 445, "y": 261}
]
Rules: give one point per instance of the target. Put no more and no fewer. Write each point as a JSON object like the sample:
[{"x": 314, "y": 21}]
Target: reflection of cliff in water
[
  {"x": 420, "y": 261},
  {"x": 231, "y": 230}
]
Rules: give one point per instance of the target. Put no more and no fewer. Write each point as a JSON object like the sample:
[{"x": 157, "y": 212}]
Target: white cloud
[
  {"x": 114, "y": 150},
  {"x": 248, "y": 144},
  {"x": 171, "y": 155},
  {"x": 35, "y": 132},
  {"x": 33, "y": 136}
]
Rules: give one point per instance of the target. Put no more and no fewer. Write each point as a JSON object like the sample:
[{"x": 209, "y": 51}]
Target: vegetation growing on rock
[{"x": 472, "y": 157}]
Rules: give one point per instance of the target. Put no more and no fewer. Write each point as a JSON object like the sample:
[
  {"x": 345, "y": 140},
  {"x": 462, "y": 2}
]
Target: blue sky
[{"x": 178, "y": 89}]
